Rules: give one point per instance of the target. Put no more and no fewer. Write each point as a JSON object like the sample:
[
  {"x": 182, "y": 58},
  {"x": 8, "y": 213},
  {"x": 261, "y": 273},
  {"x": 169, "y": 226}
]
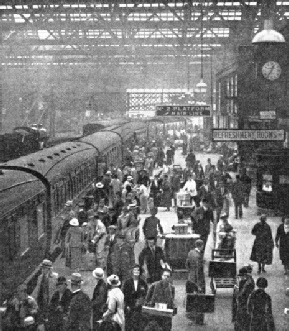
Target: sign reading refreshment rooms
[
  {"x": 190, "y": 110},
  {"x": 241, "y": 135}
]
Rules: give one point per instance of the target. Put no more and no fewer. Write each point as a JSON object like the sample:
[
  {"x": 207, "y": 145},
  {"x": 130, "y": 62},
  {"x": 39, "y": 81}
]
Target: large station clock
[{"x": 271, "y": 70}]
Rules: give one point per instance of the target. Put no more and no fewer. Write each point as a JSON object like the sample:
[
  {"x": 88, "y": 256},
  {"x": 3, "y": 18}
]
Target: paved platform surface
[{"x": 221, "y": 318}]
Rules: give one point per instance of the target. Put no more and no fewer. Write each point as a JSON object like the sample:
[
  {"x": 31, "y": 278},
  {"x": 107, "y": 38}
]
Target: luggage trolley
[
  {"x": 222, "y": 271},
  {"x": 183, "y": 204}
]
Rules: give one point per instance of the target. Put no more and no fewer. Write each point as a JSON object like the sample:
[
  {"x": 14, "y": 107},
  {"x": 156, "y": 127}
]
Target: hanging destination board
[
  {"x": 189, "y": 110},
  {"x": 241, "y": 135}
]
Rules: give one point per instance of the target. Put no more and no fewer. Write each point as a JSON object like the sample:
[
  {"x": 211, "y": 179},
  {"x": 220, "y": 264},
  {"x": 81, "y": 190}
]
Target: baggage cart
[{"x": 222, "y": 272}]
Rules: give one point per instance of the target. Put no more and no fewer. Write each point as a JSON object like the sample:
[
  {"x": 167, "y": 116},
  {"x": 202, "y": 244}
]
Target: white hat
[
  {"x": 74, "y": 222},
  {"x": 69, "y": 203},
  {"x": 29, "y": 320},
  {"x": 99, "y": 185},
  {"x": 108, "y": 172},
  {"x": 113, "y": 280},
  {"x": 76, "y": 278},
  {"x": 98, "y": 273},
  {"x": 129, "y": 177}
]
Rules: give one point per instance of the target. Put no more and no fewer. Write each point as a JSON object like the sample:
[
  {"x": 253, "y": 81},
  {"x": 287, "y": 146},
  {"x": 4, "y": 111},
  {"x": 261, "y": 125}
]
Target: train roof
[
  {"x": 101, "y": 140},
  {"x": 45, "y": 160},
  {"x": 17, "y": 186},
  {"x": 168, "y": 119},
  {"x": 127, "y": 129}
]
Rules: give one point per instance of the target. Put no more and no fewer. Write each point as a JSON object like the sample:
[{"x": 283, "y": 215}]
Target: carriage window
[
  {"x": 24, "y": 234},
  {"x": 284, "y": 179},
  {"x": 267, "y": 183},
  {"x": 40, "y": 219}
]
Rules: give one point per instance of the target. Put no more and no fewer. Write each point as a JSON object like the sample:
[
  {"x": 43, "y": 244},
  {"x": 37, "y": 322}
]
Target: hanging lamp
[
  {"x": 268, "y": 35},
  {"x": 202, "y": 86}
]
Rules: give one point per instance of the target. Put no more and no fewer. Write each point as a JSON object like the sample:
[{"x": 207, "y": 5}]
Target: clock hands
[{"x": 271, "y": 70}]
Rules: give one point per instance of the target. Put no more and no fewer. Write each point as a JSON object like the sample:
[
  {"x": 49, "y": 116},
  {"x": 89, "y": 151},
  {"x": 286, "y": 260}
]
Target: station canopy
[{"x": 127, "y": 32}]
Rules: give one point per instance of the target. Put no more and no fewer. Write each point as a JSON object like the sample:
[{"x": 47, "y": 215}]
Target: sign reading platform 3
[
  {"x": 240, "y": 135},
  {"x": 190, "y": 110}
]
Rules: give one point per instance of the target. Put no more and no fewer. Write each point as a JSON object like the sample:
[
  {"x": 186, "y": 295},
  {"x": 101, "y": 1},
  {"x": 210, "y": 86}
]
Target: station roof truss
[{"x": 123, "y": 32}]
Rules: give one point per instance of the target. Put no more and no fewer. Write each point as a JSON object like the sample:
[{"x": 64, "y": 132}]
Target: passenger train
[{"x": 35, "y": 187}]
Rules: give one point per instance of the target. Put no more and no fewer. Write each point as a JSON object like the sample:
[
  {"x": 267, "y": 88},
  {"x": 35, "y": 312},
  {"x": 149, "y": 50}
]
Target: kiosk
[{"x": 272, "y": 181}]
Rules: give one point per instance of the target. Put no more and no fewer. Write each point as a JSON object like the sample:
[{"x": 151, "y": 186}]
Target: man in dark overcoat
[
  {"x": 154, "y": 258},
  {"x": 59, "y": 306},
  {"x": 99, "y": 298},
  {"x": 282, "y": 242},
  {"x": 152, "y": 224},
  {"x": 238, "y": 196},
  {"x": 201, "y": 221},
  {"x": 109, "y": 247},
  {"x": 162, "y": 292},
  {"x": 134, "y": 290},
  {"x": 80, "y": 306},
  {"x": 155, "y": 190},
  {"x": 220, "y": 194},
  {"x": 247, "y": 183}
]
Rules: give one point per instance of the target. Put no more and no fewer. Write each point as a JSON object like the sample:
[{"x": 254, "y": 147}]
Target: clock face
[{"x": 271, "y": 70}]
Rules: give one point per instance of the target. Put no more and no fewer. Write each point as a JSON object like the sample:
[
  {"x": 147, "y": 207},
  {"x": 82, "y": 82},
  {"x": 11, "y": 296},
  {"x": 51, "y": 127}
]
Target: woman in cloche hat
[{"x": 115, "y": 302}]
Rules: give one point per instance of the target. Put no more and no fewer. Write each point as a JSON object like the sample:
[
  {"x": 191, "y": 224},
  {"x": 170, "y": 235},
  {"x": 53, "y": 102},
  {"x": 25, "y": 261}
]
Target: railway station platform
[{"x": 221, "y": 318}]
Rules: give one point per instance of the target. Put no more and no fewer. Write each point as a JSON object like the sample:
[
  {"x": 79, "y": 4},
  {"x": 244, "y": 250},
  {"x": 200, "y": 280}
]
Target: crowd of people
[
  {"x": 99, "y": 234},
  {"x": 115, "y": 305}
]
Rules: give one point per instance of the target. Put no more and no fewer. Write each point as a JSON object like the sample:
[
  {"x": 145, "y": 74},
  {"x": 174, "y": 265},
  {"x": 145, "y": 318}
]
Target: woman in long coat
[
  {"x": 74, "y": 242},
  {"x": 260, "y": 308},
  {"x": 282, "y": 242},
  {"x": 262, "y": 250},
  {"x": 167, "y": 193}
]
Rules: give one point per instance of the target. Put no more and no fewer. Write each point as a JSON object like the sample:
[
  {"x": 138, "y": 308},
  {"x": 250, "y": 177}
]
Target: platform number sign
[{"x": 190, "y": 110}]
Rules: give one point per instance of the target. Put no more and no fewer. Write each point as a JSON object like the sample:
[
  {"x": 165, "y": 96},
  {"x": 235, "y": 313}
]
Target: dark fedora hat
[{"x": 61, "y": 280}]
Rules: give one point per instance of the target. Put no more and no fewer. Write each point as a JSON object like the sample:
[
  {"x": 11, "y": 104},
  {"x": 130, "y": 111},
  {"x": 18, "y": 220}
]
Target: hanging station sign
[
  {"x": 189, "y": 110},
  {"x": 268, "y": 115},
  {"x": 241, "y": 135}
]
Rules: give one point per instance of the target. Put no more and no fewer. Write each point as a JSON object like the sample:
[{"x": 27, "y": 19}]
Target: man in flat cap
[{"x": 80, "y": 306}]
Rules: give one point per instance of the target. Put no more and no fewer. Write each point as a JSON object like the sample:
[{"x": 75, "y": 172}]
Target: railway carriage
[{"x": 33, "y": 192}]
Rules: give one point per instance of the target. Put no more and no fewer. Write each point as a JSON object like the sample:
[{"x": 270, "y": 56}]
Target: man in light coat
[
  {"x": 196, "y": 276},
  {"x": 44, "y": 290},
  {"x": 195, "y": 266}
]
